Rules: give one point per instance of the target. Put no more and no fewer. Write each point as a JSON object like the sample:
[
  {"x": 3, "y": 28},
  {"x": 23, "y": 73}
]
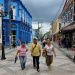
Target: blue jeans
[{"x": 22, "y": 61}]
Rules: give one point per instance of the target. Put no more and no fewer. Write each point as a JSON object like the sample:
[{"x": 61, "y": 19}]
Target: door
[{"x": 13, "y": 37}]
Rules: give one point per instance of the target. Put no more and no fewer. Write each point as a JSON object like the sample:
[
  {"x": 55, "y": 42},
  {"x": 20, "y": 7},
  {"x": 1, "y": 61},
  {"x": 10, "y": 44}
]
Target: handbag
[
  {"x": 33, "y": 49},
  {"x": 44, "y": 53},
  {"x": 16, "y": 59}
]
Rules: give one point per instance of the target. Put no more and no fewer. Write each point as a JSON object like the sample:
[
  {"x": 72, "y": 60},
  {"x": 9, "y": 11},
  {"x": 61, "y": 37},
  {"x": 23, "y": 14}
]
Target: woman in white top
[{"x": 49, "y": 52}]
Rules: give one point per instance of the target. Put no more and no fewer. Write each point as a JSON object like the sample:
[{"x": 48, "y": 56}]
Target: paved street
[
  {"x": 68, "y": 52},
  {"x": 61, "y": 66}
]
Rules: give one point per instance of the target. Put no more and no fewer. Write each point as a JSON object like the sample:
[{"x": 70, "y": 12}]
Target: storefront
[{"x": 68, "y": 33}]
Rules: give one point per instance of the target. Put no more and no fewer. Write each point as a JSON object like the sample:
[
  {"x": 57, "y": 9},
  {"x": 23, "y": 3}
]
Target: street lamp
[
  {"x": 2, "y": 14},
  {"x": 10, "y": 12}
]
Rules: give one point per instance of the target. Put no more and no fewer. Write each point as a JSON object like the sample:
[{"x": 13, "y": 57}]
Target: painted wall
[{"x": 21, "y": 21}]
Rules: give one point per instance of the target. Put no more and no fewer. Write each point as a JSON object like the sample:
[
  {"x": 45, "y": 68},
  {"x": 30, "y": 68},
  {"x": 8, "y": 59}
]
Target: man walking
[{"x": 35, "y": 53}]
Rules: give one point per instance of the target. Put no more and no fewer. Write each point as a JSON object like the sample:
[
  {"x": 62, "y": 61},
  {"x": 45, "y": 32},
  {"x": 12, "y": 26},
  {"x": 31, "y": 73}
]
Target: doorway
[{"x": 13, "y": 38}]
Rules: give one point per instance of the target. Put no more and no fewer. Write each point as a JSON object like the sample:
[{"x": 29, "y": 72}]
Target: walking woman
[
  {"x": 49, "y": 51},
  {"x": 22, "y": 55}
]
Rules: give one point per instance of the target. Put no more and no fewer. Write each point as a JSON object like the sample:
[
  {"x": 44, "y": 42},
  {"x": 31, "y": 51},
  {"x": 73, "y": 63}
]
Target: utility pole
[{"x": 38, "y": 30}]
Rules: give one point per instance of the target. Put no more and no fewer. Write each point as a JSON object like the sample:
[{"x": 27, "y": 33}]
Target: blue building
[{"x": 18, "y": 25}]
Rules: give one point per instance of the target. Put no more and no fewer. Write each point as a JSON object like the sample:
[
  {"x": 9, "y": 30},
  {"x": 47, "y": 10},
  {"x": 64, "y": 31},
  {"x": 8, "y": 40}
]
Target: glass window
[
  {"x": 71, "y": 13},
  {"x": 68, "y": 15},
  {"x": 11, "y": 13},
  {"x": 20, "y": 11},
  {"x": 14, "y": 12},
  {"x": 25, "y": 17},
  {"x": 1, "y": 6}
]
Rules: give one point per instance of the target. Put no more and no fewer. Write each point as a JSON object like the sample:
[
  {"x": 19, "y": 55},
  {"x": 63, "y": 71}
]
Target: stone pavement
[
  {"x": 7, "y": 50},
  {"x": 68, "y": 52},
  {"x": 61, "y": 66}
]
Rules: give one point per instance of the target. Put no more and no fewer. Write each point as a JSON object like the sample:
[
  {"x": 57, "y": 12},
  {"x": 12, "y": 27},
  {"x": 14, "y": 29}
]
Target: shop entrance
[
  {"x": 73, "y": 40},
  {"x": 13, "y": 38}
]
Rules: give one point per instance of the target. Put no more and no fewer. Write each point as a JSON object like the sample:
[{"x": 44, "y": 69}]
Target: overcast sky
[{"x": 43, "y": 10}]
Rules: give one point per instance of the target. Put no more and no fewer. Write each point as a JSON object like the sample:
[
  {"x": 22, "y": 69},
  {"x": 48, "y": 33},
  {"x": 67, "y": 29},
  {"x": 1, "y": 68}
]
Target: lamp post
[
  {"x": 10, "y": 14},
  {"x": 10, "y": 17},
  {"x": 2, "y": 14}
]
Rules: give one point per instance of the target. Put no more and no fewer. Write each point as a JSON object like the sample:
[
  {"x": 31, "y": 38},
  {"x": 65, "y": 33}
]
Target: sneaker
[
  {"x": 38, "y": 70},
  {"x": 22, "y": 68},
  {"x": 34, "y": 67}
]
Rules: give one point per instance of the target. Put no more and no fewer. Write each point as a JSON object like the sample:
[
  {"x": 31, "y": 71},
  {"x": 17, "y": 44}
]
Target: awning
[
  {"x": 55, "y": 33},
  {"x": 68, "y": 28}
]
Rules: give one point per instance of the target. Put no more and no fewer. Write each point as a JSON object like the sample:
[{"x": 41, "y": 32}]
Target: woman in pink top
[{"x": 22, "y": 55}]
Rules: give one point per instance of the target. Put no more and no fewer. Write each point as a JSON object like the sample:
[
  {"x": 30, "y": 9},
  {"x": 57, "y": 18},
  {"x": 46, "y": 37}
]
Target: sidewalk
[
  {"x": 68, "y": 52},
  {"x": 7, "y": 51}
]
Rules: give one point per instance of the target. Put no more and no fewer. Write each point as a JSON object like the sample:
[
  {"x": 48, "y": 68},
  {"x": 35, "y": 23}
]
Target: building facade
[
  {"x": 67, "y": 18},
  {"x": 17, "y": 24},
  {"x": 56, "y": 30}
]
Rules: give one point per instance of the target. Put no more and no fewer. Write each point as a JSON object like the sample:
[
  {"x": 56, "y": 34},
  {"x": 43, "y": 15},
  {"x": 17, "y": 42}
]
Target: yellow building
[{"x": 56, "y": 29}]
